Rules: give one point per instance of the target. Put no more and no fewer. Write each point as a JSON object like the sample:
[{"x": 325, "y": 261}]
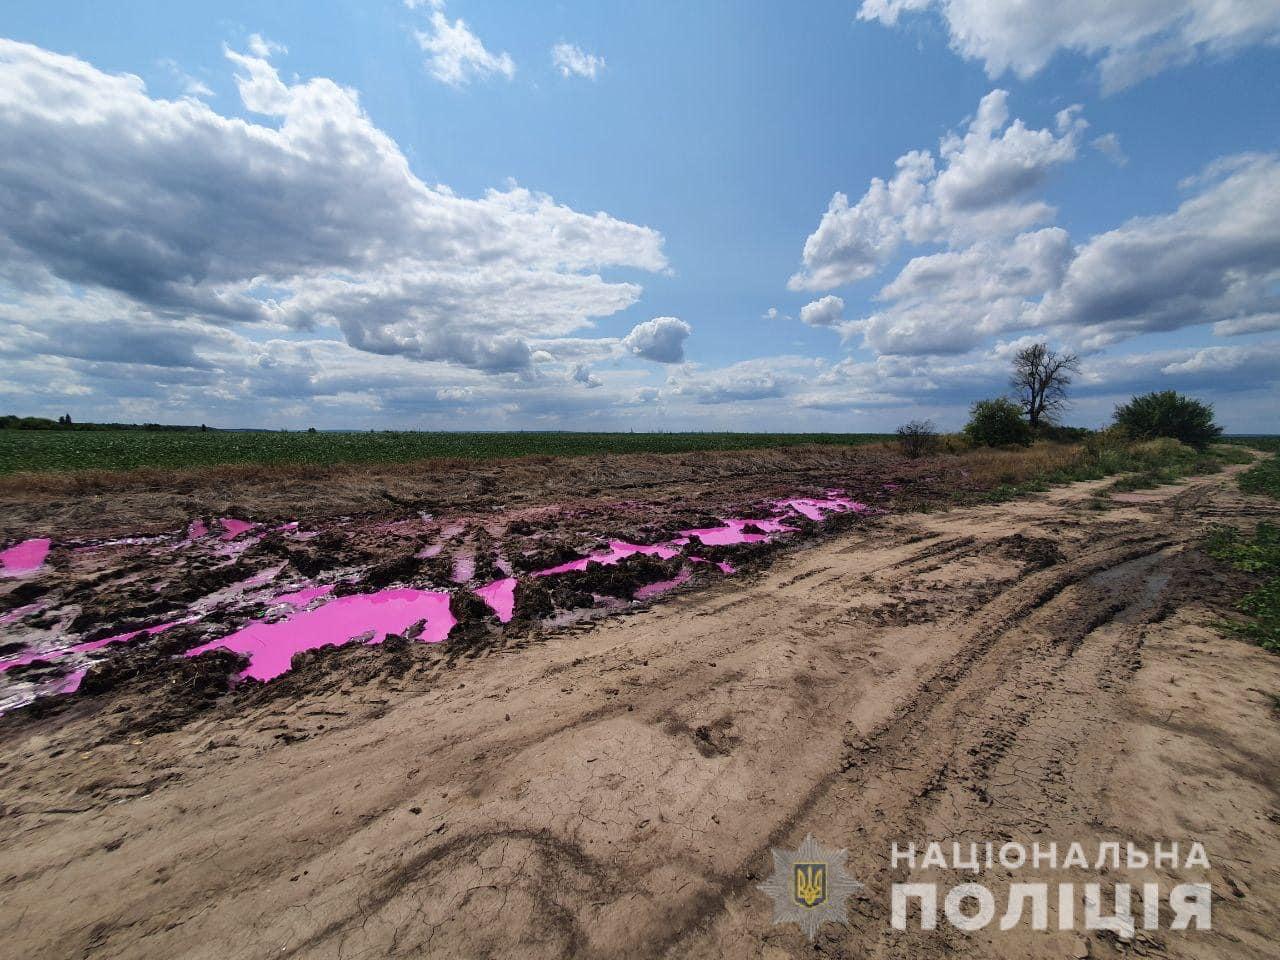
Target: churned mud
[{"x": 635, "y": 696}]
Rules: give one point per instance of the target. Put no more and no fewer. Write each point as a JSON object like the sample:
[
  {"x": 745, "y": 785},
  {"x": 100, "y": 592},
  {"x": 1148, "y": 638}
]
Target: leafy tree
[
  {"x": 1167, "y": 413},
  {"x": 997, "y": 423},
  {"x": 917, "y": 438},
  {"x": 1040, "y": 380}
]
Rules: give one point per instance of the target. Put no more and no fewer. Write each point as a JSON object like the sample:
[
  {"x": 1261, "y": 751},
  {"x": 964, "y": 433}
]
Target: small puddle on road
[
  {"x": 25, "y": 558},
  {"x": 270, "y": 646}
]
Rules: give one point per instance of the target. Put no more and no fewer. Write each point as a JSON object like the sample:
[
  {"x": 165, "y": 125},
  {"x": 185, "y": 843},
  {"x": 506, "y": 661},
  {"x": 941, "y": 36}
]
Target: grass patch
[
  {"x": 1263, "y": 478},
  {"x": 1258, "y": 555},
  {"x": 63, "y": 450},
  {"x": 1156, "y": 463}
]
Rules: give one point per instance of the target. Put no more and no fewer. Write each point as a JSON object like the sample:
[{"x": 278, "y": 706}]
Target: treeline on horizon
[{"x": 12, "y": 422}]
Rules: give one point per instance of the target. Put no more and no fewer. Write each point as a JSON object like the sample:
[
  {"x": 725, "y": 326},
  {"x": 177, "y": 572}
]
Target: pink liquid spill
[
  {"x": 618, "y": 550},
  {"x": 270, "y": 646},
  {"x": 300, "y": 598},
  {"x": 732, "y": 533},
  {"x": 20, "y": 612},
  {"x": 662, "y": 586},
  {"x": 261, "y": 577},
  {"x": 500, "y": 596},
  {"x": 27, "y": 557},
  {"x": 232, "y": 528},
  {"x": 56, "y": 654},
  {"x": 71, "y": 682},
  {"x": 814, "y": 508}
]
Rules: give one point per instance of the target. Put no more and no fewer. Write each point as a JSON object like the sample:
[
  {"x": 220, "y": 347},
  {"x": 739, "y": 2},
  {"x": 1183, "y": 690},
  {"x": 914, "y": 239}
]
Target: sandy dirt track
[{"x": 1035, "y": 670}]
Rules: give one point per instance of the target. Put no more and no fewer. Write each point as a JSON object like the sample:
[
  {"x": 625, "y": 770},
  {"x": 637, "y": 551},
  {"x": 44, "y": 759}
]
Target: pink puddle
[
  {"x": 197, "y": 529},
  {"x": 426, "y": 553},
  {"x": 300, "y": 598},
  {"x": 732, "y": 532},
  {"x": 662, "y": 586},
  {"x": 814, "y": 508},
  {"x": 26, "y": 557},
  {"x": 232, "y": 528},
  {"x": 20, "y": 612},
  {"x": 71, "y": 682},
  {"x": 270, "y": 646},
  {"x": 500, "y": 596},
  {"x": 261, "y": 577},
  {"x": 33, "y": 655},
  {"x": 618, "y": 550}
]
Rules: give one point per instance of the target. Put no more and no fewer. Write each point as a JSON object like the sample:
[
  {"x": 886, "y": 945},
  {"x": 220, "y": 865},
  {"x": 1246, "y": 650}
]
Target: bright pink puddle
[
  {"x": 814, "y": 508},
  {"x": 732, "y": 533},
  {"x": 232, "y": 528},
  {"x": 26, "y": 557},
  {"x": 500, "y": 596},
  {"x": 270, "y": 646},
  {"x": 662, "y": 586}
]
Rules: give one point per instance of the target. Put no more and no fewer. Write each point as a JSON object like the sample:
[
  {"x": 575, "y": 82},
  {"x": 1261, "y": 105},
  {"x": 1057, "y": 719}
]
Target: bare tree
[
  {"x": 1040, "y": 380},
  {"x": 917, "y": 438}
]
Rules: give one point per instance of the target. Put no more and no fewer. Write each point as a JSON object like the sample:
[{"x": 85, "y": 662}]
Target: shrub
[
  {"x": 917, "y": 438},
  {"x": 997, "y": 423},
  {"x": 1051, "y": 431},
  {"x": 1168, "y": 414}
]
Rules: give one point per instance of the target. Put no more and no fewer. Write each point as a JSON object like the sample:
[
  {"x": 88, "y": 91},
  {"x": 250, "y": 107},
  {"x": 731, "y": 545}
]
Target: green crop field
[{"x": 60, "y": 450}]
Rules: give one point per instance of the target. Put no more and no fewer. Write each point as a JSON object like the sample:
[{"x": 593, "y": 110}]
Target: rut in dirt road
[{"x": 614, "y": 790}]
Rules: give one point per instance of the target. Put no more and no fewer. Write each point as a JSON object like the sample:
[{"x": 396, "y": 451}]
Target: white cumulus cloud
[
  {"x": 455, "y": 55},
  {"x": 313, "y": 222},
  {"x": 660, "y": 339},
  {"x": 1130, "y": 40},
  {"x": 977, "y": 187},
  {"x": 825, "y": 312},
  {"x": 573, "y": 61}
]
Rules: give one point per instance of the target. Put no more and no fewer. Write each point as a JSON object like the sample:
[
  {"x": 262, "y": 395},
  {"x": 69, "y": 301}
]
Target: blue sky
[{"x": 233, "y": 239}]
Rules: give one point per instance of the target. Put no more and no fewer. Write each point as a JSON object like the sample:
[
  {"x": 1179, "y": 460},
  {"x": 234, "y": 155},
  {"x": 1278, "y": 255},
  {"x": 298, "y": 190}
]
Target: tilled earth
[{"x": 1040, "y": 670}]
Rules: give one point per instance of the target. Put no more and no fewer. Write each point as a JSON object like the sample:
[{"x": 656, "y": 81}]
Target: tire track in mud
[
  {"x": 655, "y": 759},
  {"x": 901, "y": 752}
]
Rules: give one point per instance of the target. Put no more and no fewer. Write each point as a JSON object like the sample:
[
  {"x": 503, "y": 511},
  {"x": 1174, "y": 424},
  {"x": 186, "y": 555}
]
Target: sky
[{"x": 725, "y": 215}]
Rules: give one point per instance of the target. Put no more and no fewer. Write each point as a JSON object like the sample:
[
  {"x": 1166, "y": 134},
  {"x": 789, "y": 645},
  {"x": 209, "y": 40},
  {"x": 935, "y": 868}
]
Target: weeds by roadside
[
  {"x": 1263, "y": 478},
  {"x": 1143, "y": 465},
  {"x": 1259, "y": 555}
]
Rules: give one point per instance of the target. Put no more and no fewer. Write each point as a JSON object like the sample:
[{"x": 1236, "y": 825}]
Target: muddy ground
[{"x": 1036, "y": 670}]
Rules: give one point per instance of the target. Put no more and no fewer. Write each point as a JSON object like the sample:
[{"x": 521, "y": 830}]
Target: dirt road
[{"x": 1033, "y": 671}]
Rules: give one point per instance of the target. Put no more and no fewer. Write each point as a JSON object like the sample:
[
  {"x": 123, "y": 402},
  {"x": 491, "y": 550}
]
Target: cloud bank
[{"x": 1128, "y": 41}]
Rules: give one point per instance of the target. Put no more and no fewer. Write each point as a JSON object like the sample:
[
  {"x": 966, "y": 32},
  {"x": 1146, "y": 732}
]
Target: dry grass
[{"x": 1019, "y": 466}]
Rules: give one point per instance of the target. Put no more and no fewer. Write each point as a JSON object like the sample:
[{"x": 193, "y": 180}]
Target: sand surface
[{"x": 1033, "y": 670}]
